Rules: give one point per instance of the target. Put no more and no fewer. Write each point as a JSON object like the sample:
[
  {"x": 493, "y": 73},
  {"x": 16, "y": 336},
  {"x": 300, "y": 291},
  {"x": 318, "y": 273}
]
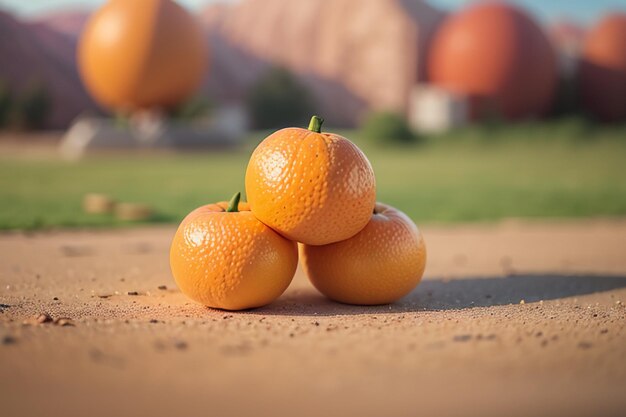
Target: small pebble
[
  {"x": 154, "y": 321},
  {"x": 180, "y": 345},
  {"x": 43, "y": 318},
  {"x": 76, "y": 251},
  {"x": 462, "y": 337},
  {"x": 162, "y": 287},
  {"x": 56, "y": 298},
  {"x": 64, "y": 321},
  {"x": 9, "y": 340},
  {"x": 132, "y": 293},
  {"x": 522, "y": 302},
  {"x": 96, "y": 354}
]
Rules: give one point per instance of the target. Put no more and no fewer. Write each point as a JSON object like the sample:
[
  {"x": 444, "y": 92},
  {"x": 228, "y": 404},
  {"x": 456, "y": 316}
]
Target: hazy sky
[{"x": 584, "y": 11}]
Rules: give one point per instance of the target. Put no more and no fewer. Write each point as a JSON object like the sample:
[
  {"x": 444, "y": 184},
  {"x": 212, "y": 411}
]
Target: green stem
[
  {"x": 233, "y": 205},
  {"x": 316, "y": 124}
]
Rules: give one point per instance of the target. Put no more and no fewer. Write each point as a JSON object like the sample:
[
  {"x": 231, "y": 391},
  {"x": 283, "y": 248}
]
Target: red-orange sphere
[
  {"x": 603, "y": 69},
  {"x": 499, "y": 58},
  {"x": 141, "y": 54}
]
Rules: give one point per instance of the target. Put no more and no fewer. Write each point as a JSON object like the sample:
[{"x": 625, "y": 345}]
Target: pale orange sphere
[
  {"x": 141, "y": 54},
  {"x": 499, "y": 58},
  {"x": 603, "y": 69}
]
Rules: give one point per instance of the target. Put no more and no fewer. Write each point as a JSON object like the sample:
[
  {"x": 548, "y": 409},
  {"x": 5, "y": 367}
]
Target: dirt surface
[{"x": 512, "y": 319}]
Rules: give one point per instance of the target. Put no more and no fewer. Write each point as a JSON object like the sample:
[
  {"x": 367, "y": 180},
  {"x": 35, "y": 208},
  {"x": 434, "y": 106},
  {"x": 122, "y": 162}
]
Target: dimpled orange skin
[
  {"x": 231, "y": 261},
  {"x": 314, "y": 188},
  {"x": 379, "y": 265}
]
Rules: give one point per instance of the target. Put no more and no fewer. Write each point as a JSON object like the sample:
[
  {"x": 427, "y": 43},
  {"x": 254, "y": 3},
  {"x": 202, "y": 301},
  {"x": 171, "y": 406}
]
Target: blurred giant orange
[
  {"x": 141, "y": 54},
  {"x": 499, "y": 58},
  {"x": 603, "y": 69}
]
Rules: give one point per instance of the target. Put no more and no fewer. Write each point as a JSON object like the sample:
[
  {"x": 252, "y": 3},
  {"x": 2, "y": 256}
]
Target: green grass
[{"x": 558, "y": 169}]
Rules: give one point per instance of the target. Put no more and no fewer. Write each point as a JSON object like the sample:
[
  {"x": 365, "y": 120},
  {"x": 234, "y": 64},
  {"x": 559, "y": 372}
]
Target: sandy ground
[{"x": 512, "y": 319}]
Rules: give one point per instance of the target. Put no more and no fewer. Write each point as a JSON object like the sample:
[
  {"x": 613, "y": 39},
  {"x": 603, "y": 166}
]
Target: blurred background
[{"x": 116, "y": 112}]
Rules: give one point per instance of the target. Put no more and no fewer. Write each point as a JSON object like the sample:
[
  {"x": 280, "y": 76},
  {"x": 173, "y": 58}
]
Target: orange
[
  {"x": 379, "y": 265},
  {"x": 311, "y": 187},
  {"x": 142, "y": 54},
  {"x": 223, "y": 257}
]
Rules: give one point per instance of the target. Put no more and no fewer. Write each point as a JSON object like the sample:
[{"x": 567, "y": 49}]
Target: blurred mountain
[
  {"x": 69, "y": 23},
  {"x": 355, "y": 55},
  {"x": 39, "y": 54}
]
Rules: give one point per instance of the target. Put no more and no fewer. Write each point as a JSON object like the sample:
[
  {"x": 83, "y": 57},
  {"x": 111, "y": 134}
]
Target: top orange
[{"x": 311, "y": 187}]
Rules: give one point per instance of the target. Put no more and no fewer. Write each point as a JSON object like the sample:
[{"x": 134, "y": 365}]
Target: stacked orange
[{"x": 303, "y": 186}]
